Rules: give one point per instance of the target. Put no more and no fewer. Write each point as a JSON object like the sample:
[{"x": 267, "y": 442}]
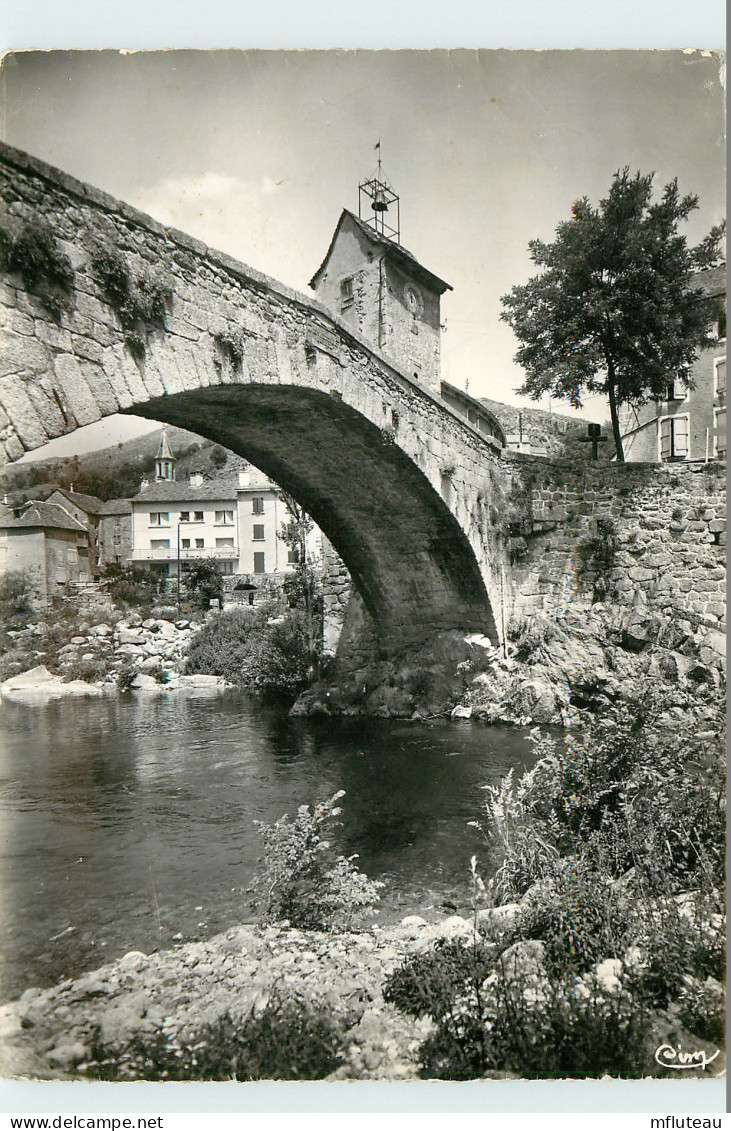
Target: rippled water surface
[{"x": 127, "y": 821}]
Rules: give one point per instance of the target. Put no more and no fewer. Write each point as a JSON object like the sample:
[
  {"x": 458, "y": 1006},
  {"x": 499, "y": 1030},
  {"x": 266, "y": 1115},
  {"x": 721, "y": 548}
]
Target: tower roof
[
  {"x": 165, "y": 452},
  {"x": 394, "y": 251}
]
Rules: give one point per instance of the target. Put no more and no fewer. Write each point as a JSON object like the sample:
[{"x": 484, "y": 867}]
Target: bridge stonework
[{"x": 438, "y": 528}]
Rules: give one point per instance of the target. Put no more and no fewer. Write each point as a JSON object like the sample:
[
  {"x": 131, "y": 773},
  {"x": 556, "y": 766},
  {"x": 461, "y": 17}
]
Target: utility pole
[{"x": 178, "y": 557}]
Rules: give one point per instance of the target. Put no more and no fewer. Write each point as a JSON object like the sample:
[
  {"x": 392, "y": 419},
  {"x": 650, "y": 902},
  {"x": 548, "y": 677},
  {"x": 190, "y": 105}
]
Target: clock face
[{"x": 414, "y": 301}]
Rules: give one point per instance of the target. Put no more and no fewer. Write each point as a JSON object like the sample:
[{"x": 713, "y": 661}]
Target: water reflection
[{"x": 128, "y": 820}]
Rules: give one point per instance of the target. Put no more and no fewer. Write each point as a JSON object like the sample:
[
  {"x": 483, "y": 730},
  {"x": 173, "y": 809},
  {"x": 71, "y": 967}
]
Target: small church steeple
[{"x": 165, "y": 461}]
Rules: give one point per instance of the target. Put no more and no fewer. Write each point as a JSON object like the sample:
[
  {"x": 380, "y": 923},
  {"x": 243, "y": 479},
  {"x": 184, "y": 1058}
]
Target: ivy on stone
[
  {"x": 36, "y": 255},
  {"x": 141, "y": 301}
]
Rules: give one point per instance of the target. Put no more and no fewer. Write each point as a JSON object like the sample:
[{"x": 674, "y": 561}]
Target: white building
[{"x": 236, "y": 520}]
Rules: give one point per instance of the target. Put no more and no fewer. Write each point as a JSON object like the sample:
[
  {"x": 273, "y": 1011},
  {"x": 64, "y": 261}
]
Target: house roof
[
  {"x": 115, "y": 506},
  {"x": 165, "y": 492},
  {"x": 394, "y": 251},
  {"x": 88, "y": 503},
  {"x": 712, "y": 280},
  {"x": 37, "y": 514},
  {"x": 181, "y": 491}
]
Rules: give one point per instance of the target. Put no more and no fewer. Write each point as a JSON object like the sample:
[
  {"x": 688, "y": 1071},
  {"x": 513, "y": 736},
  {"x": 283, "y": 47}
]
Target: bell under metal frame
[{"x": 380, "y": 195}]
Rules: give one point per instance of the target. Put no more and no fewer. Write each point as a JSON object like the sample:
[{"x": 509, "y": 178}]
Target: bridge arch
[
  {"x": 409, "y": 559},
  {"x": 387, "y": 470}
]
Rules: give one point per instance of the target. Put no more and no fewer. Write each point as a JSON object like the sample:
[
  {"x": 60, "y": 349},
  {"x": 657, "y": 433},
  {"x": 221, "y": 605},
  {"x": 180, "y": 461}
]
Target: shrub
[
  {"x": 223, "y": 646},
  {"x": 532, "y": 635},
  {"x": 232, "y": 344},
  {"x": 16, "y": 598},
  {"x": 90, "y": 671},
  {"x": 430, "y": 982},
  {"x": 596, "y": 553},
  {"x": 537, "y": 1023},
  {"x": 289, "y": 1039},
  {"x": 303, "y": 881},
  {"x": 580, "y": 916},
  {"x": 614, "y": 839},
  {"x": 16, "y": 659},
  {"x": 626, "y": 792},
  {"x": 126, "y": 675},
  {"x": 132, "y": 587},
  {"x": 702, "y": 1009},
  {"x": 564, "y": 1027},
  {"x": 250, "y": 648},
  {"x": 281, "y": 660}
]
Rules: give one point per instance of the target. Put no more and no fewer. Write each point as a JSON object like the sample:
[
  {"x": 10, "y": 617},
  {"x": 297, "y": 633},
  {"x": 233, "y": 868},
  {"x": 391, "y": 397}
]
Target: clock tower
[{"x": 374, "y": 284}]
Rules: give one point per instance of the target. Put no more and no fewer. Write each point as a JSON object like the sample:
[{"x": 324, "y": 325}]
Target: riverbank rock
[
  {"x": 594, "y": 656},
  {"x": 49, "y": 1033},
  {"x": 38, "y": 685}
]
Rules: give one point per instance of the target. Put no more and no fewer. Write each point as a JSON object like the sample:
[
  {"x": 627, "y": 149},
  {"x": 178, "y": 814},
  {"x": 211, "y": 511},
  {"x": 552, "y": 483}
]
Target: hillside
[
  {"x": 115, "y": 472},
  {"x": 549, "y": 433}
]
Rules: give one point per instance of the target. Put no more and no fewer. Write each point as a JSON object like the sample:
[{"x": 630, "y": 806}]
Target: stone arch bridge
[{"x": 399, "y": 483}]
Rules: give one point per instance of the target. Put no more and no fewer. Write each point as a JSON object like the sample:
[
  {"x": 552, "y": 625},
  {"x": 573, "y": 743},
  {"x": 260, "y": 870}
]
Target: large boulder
[
  {"x": 37, "y": 685},
  {"x": 538, "y": 700}
]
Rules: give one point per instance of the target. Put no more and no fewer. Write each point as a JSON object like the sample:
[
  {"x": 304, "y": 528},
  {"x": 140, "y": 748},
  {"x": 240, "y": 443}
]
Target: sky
[{"x": 257, "y": 152}]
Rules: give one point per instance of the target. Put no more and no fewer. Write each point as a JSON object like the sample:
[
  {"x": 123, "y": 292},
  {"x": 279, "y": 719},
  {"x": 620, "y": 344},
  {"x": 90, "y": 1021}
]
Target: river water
[{"x": 128, "y": 822}]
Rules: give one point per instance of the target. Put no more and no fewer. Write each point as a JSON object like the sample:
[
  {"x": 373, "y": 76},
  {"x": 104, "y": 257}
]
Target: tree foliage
[
  {"x": 616, "y": 309},
  {"x": 303, "y": 587},
  {"x": 202, "y": 582}
]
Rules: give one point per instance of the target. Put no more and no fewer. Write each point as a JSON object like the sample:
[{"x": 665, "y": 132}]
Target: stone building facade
[
  {"x": 85, "y": 509},
  {"x": 48, "y": 544},
  {"x": 690, "y": 424},
  {"x": 115, "y": 532},
  {"x": 380, "y": 289}
]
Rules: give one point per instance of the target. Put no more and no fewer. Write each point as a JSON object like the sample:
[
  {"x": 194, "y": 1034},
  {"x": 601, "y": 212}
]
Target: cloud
[{"x": 222, "y": 211}]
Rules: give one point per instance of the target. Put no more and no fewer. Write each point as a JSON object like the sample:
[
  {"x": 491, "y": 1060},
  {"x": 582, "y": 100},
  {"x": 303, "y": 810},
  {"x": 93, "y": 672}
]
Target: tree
[
  {"x": 302, "y": 588},
  {"x": 202, "y": 582},
  {"x": 617, "y": 309}
]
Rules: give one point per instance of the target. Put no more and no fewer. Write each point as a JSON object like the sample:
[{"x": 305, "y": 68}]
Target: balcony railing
[{"x": 170, "y": 554}]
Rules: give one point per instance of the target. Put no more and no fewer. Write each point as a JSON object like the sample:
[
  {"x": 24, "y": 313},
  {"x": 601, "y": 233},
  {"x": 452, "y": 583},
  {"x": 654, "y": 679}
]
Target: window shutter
[
  {"x": 721, "y": 378},
  {"x": 680, "y": 437},
  {"x": 665, "y": 439}
]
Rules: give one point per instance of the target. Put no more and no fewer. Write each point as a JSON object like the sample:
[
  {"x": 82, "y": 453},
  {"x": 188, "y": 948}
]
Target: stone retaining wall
[{"x": 669, "y": 521}]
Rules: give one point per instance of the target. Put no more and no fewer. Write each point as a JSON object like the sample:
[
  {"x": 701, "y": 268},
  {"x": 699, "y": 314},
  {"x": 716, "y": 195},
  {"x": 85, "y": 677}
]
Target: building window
[
  {"x": 675, "y": 391},
  {"x": 185, "y": 543},
  {"x": 346, "y": 292},
  {"x": 719, "y": 366},
  {"x": 226, "y": 567},
  {"x": 259, "y": 563},
  {"x": 225, "y": 518},
  {"x": 224, "y": 543},
  {"x": 258, "y": 533},
  {"x": 197, "y": 516},
  {"x": 159, "y": 518},
  {"x": 257, "y": 505},
  {"x": 293, "y": 557},
  {"x": 158, "y": 545},
  {"x": 185, "y": 516},
  {"x": 199, "y": 543},
  {"x": 674, "y": 438},
  {"x": 72, "y": 555}
]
